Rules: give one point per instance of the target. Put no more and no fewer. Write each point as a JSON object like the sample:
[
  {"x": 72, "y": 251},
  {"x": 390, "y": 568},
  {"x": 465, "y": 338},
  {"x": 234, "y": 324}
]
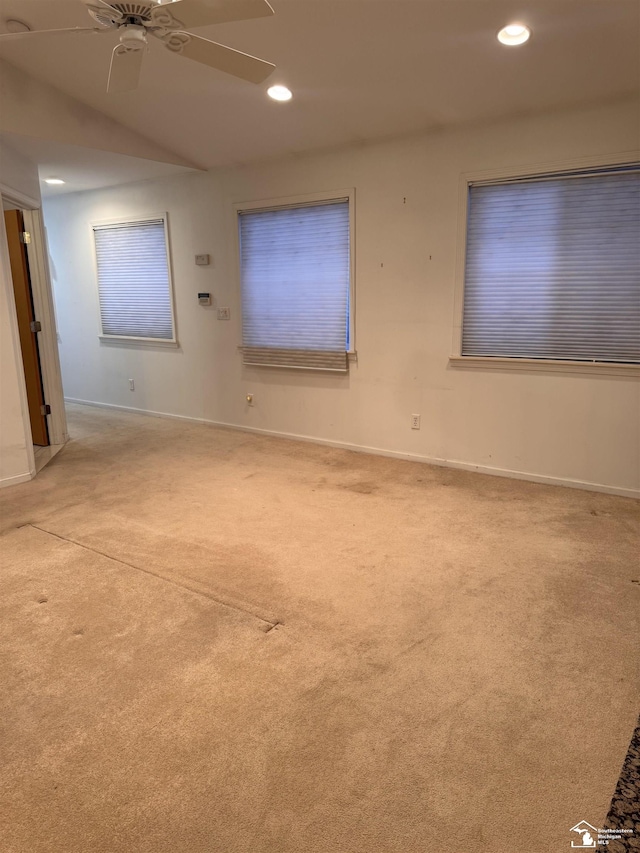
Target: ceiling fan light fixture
[
  {"x": 514, "y": 34},
  {"x": 54, "y": 181},
  {"x": 279, "y": 93}
]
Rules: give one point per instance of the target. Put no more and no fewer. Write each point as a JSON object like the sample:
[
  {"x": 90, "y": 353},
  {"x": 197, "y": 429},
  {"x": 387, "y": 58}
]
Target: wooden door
[{"x": 28, "y": 337}]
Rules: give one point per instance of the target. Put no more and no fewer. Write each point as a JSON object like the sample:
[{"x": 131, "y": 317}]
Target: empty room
[{"x": 319, "y": 426}]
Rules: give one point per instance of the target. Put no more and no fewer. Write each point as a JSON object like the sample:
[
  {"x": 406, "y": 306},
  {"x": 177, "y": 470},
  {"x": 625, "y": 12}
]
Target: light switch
[{"x": 202, "y": 260}]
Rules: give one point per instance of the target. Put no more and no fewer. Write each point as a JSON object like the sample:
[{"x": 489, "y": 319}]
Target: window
[
  {"x": 295, "y": 273},
  {"x": 134, "y": 283},
  {"x": 553, "y": 268}
]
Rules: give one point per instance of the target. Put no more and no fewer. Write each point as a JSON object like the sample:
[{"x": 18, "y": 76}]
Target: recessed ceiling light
[
  {"x": 53, "y": 181},
  {"x": 13, "y": 25},
  {"x": 279, "y": 93},
  {"x": 514, "y": 34}
]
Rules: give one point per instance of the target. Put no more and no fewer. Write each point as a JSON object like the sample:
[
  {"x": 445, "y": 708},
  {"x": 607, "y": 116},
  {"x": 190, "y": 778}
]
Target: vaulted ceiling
[{"x": 359, "y": 70}]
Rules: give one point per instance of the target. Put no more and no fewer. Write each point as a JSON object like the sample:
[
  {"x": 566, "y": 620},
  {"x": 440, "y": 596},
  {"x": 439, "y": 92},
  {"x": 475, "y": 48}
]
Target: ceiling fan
[{"x": 135, "y": 20}]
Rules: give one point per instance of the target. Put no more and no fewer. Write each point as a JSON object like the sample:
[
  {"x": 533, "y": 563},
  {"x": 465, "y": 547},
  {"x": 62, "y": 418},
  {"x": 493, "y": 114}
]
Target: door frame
[{"x": 44, "y": 309}]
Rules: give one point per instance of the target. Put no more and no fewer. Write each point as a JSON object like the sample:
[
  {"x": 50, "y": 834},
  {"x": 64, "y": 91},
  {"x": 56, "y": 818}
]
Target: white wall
[
  {"x": 562, "y": 427},
  {"x": 18, "y": 174},
  {"x": 18, "y": 177}
]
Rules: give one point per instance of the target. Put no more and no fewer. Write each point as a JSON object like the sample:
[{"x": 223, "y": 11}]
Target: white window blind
[
  {"x": 553, "y": 268},
  {"x": 133, "y": 280},
  {"x": 295, "y": 277}
]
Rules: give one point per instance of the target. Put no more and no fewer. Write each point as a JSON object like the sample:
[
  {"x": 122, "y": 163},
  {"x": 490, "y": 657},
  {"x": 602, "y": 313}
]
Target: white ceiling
[
  {"x": 84, "y": 168},
  {"x": 359, "y": 70}
]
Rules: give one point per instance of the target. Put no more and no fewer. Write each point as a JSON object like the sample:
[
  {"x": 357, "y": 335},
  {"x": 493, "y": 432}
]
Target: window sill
[
  {"x": 539, "y": 365},
  {"x": 115, "y": 340},
  {"x": 352, "y": 358}
]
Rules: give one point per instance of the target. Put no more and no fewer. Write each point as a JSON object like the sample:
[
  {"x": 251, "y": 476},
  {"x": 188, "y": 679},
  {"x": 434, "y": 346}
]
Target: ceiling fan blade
[
  {"x": 104, "y": 13},
  {"x": 31, "y": 33},
  {"x": 124, "y": 72},
  {"x": 201, "y": 13},
  {"x": 219, "y": 56}
]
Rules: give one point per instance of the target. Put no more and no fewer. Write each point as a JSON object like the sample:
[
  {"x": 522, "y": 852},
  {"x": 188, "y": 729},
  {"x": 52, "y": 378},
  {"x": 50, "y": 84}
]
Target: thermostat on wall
[
  {"x": 202, "y": 260},
  {"x": 204, "y": 298}
]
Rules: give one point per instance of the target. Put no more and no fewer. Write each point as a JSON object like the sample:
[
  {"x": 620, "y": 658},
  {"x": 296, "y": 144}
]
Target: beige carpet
[{"x": 216, "y": 642}]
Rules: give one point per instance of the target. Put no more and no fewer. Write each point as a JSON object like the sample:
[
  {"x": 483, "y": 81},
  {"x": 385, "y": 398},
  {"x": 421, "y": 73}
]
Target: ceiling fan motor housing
[
  {"x": 137, "y": 10},
  {"x": 119, "y": 14}
]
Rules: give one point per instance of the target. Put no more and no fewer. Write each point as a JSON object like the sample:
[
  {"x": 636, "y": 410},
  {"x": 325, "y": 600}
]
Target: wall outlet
[
  {"x": 132, "y": 385},
  {"x": 415, "y": 421},
  {"x": 223, "y": 314}
]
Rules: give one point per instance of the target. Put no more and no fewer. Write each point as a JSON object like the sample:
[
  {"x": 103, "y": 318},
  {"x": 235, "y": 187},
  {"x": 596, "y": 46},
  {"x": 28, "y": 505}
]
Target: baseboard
[
  {"x": 378, "y": 451},
  {"x": 17, "y": 479}
]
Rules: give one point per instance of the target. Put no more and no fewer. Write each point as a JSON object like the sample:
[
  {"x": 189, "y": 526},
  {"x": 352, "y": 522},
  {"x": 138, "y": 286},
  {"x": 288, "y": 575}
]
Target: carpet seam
[{"x": 269, "y": 623}]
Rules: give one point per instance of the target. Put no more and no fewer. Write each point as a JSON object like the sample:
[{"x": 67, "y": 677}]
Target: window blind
[
  {"x": 553, "y": 269},
  {"x": 295, "y": 278},
  {"x": 133, "y": 280}
]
